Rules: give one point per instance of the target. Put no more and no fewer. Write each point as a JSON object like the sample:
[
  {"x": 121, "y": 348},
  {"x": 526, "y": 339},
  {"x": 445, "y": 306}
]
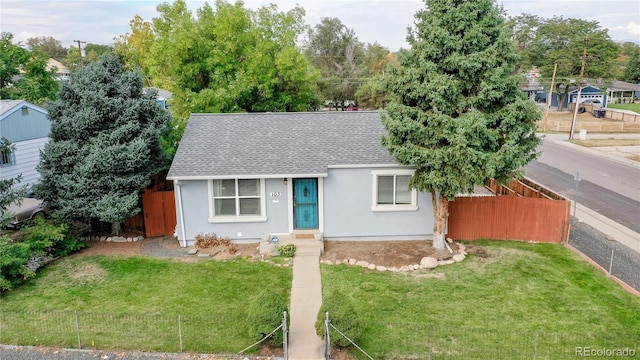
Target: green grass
[
  {"x": 520, "y": 298},
  {"x": 632, "y": 107},
  {"x": 134, "y": 303}
]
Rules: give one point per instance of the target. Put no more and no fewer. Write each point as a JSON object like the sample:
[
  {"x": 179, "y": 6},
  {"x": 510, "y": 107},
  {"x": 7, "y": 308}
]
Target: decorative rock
[
  {"x": 202, "y": 255},
  {"x": 429, "y": 262},
  {"x": 421, "y": 266},
  {"x": 371, "y": 267},
  {"x": 285, "y": 265},
  {"x": 442, "y": 262},
  {"x": 450, "y": 240},
  {"x": 329, "y": 262},
  {"x": 104, "y": 238},
  {"x": 449, "y": 262},
  {"x": 381, "y": 268},
  {"x": 140, "y": 238},
  {"x": 611, "y": 238},
  {"x": 192, "y": 251},
  {"x": 338, "y": 262},
  {"x": 393, "y": 269},
  {"x": 414, "y": 266},
  {"x": 461, "y": 247},
  {"x": 458, "y": 257},
  {"x": 109, "y": 239},
  {"x": 119, "y": 239},
  {"x": 404, "y": 268},
  {"x": 129, "y": 239},
  {"x": 362, "y": 263},
  {"x": 351, "y": 261}
]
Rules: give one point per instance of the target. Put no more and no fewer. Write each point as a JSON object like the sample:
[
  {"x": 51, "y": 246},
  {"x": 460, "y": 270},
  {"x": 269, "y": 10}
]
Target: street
[{"x": 608, "y": 187}]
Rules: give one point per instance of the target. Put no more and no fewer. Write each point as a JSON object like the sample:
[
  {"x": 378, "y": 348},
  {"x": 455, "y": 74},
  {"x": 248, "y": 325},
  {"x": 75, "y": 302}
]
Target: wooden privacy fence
[{"x": 509, "y": 218}]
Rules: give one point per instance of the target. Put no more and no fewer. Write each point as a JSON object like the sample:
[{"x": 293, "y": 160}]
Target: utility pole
[
  {"x": 575, "y": 110},
  {"x": 546, "y": 112},
  {"x": 80, "y": 51}
]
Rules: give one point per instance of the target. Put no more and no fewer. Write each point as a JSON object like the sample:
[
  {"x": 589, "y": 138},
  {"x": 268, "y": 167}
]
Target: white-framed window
[
  {"x": 391, "y": 191},
  {"x": 7, "y": 157},
  {"x": 237, "y": 200}
]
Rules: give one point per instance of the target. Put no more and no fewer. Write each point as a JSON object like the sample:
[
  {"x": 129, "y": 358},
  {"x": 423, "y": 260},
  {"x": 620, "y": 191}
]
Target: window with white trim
[
  {"x": 233, "y": 200},
  {"x": 391, "y": 191},
  {"x": 7, "y": 157}
]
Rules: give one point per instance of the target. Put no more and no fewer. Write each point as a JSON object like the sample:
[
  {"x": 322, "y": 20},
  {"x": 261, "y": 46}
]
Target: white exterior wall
[{"x": 27, "y": 158}]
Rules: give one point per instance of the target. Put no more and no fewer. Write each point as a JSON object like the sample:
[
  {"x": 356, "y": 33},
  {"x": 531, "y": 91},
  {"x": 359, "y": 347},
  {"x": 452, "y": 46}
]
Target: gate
[{"x": 159, "y": 209}]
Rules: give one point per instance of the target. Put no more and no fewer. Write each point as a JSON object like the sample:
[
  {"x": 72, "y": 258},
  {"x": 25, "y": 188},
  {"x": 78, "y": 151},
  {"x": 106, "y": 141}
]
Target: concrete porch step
[{"x": 304, "y": 247}]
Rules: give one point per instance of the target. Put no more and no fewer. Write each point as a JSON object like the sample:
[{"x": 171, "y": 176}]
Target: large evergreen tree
[
  {"x": 458, "y": 116},
  {"x": 105, "y": 144}
]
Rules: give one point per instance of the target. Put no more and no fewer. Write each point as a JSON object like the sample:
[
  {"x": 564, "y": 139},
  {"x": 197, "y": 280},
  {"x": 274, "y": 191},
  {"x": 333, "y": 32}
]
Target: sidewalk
[
  {"x": 618, "y": 232},
  {"x": 306, "y": 299}
]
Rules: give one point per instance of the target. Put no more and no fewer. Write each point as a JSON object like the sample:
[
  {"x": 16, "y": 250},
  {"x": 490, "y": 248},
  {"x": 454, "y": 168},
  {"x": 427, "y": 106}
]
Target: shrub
[
  {"x": 39, "y": 243},
  {"x": 288, "y": 250},
  {"x": 342, "y": 315},
  {"x": 265, "y": 314}
]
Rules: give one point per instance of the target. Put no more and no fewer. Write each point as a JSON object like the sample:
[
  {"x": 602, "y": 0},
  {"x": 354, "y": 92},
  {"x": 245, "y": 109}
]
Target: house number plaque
[{"x": 274, "y": 193}]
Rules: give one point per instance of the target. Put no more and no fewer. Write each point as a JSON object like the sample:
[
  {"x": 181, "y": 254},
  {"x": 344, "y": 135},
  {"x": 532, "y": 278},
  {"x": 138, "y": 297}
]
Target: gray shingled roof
[{"x": 278, "y": 144}]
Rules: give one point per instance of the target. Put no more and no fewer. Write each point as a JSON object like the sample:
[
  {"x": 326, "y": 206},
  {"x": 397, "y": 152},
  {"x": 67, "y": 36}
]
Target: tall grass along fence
[
  {"x": 436, "y": 342},
  {"x": 141, "y": 332}
]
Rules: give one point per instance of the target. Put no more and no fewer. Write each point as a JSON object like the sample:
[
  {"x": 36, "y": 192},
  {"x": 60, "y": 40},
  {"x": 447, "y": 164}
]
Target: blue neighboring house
[
  {"x": 247, "y": 175},
  {"x": 588, "y": 92},
  {"x": 27, "y": 127}
]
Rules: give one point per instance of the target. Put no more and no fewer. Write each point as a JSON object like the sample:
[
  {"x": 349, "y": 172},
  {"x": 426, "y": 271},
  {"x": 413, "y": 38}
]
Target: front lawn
[
  {"x": 511, "y": 300},
  {"x": 632, "y": 107},
  {"x": 139, "y": 303}
]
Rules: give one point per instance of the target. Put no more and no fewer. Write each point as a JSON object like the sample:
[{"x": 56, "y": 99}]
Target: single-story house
[
  {"x": 246, "y": 175},
  {"x": 623, "y": 92},
  {"x": 587, "y": 92},
  {"x": 27, "y": 127}
]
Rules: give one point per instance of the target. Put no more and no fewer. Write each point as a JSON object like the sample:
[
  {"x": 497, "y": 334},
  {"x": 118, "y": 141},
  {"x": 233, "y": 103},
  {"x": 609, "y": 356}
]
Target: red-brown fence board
[
  {"x": 159, "y": 210},
  {"x": 508, "y": 218}
]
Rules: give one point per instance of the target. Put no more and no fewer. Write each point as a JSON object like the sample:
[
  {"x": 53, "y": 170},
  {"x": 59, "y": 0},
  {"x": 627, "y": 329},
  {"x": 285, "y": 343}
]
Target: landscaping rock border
[
  {"x": 113, "y": 238},
  {"x": 426, "y": 263}
]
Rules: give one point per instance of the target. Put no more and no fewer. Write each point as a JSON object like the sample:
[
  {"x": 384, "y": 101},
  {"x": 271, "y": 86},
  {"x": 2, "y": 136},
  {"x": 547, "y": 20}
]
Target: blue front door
[{"x": 305, "y": 203}]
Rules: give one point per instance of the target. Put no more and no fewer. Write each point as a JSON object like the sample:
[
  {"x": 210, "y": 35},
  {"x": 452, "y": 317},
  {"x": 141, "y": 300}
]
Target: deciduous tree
[
  {"x": 457, "y": 115},
  {"x": 48, "y": 45},
  {"x": 105, "y": 144}
]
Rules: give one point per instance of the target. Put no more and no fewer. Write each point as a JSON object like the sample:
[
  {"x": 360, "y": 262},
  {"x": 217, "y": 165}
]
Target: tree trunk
[
  {"x": 440, "y": 214},
  {"x": 115, "y": 228}
]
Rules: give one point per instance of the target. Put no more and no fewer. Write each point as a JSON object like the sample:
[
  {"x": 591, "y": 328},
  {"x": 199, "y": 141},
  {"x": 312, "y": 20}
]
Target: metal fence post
[
  {"x": 611, "y": 262},
  {"x": 284, "y": 336},
  {"x": 180, "y": 330},
  {"x": 327, "y": 337},
  {"x": 430, "y": 340},
  {"x": 78, "y": 330}
]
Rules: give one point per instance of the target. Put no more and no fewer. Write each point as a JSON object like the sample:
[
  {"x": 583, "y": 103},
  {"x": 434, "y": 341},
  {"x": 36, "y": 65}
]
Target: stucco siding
[
  {"x": 348, "y": 210},
  {"x": 27, "y": 158},
  {"x": 194, "y": 196}
]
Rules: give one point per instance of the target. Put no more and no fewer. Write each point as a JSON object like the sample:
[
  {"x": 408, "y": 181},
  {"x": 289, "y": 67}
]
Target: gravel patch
[{"x": 594, "y": 244}]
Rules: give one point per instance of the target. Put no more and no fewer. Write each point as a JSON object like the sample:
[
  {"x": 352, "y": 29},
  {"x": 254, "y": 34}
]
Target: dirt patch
[
  {"x": 111, "y": 248},
  {"x": 385, "y": 253}
]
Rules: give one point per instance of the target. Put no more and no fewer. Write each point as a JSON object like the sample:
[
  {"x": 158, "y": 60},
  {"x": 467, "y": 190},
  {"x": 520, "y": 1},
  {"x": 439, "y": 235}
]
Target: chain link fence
[
  {"x": 615, "y": 258},
  {"x": 435, "y": 342},
  {"x": 213, "y": 334}
]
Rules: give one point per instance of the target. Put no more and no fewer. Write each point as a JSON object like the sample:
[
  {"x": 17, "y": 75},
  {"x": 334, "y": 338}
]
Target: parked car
[
  {"x": 592, "y": 102},
  {"x": 28, "y": 208}
]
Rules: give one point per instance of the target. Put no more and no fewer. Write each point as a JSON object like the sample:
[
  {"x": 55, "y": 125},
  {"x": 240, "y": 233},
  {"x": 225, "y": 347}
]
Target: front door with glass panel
[{"x": 305, "y": 203}]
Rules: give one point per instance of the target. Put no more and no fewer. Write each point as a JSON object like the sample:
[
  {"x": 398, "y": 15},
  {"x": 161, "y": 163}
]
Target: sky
[{"x": 381, "y": 21}]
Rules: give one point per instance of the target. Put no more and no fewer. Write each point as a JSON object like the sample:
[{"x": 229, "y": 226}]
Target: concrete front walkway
[{"x": 306, "y": 298}]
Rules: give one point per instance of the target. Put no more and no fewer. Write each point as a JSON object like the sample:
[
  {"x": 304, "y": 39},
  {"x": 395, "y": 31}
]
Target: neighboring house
[
  {"x": 247, "y": 175},
  {"x": 622, "y": 92},
  {"x": 587, "y": 92},
  {"x": 163, "y": 97},
  {"x": 27, "y": 127},
  {"x": 62, "y": 72}
]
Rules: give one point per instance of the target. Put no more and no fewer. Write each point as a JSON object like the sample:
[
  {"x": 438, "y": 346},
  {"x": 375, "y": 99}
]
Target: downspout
[{"x": 181, "y": 213}]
